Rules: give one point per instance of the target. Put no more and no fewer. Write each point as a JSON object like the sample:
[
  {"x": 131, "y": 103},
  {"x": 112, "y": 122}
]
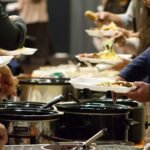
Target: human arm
[
  {"x": 138, "y": 69},
  {"x": 126, "y": 38},
  {"x": 122, "y": 20},
  {"x": 8, "y": 82},
  {"x": 107, "y": 17},
  {"x": 141, "y": 93}
]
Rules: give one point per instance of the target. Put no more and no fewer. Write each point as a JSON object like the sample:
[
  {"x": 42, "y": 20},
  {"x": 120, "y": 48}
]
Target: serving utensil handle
[
  {"x": 94, "y": 137},
  {"x": 53, "y": 101}
]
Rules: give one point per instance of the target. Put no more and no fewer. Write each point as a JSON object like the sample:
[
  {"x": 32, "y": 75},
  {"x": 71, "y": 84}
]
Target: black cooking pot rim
[
  {"x": 127, "y": 102},
  {"x": 26, "y": 111},
  {"x": 94, "y": 108},
  {"x": 45, "y": 81}
]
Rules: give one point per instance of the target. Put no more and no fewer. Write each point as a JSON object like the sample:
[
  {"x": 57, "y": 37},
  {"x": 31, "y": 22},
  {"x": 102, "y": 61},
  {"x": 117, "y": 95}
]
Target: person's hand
[
  {"x": 141, "y": 93},
  {"x": 119, "y": 38},
  {"x": 103, "y": 18},
  {"x": 8, "y": 82},
  {"x": 120, "y": 35},
  {"x": 107, "y": 17},
  {"x": 119, "y": 66},
  {"x": 3, "y": 135}
]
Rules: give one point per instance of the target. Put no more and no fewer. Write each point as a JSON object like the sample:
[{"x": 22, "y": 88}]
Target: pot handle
[
  {"x": 132, "y": 122},
  {"x": 147, "y": 124},
  {"x": 73, "y": 98},
  {"x": 53, "y": 101}
]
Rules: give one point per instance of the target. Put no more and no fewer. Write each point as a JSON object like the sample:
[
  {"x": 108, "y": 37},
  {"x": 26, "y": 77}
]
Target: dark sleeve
[
  {"x": 12, "y": 33},
  {"x": 138, "y": 69}
]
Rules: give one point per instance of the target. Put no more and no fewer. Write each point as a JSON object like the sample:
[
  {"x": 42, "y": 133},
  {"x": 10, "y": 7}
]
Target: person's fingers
[
  {"x": 3, "y": 135},
  {"x": 119, "y": 39},
  {"x": 114, "y": 97}
]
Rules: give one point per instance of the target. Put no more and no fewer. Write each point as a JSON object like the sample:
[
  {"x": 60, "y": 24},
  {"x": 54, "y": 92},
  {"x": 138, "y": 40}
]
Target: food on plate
[
  {"x": 106, "y": 30},
  {"x": 91, "y": 15},
  {"x": 110, "y": 26},
  {"x": 107, "y": 53},
  {"x": 106, "y": 27},
  {"x": 101, "y": 55},
  {"x": 21, "y": 51},
  {"x": 116, "y": 84}
]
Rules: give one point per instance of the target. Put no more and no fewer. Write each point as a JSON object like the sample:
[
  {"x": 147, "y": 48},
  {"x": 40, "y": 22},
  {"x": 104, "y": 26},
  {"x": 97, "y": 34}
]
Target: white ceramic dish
[
  {"x": 27, "y": 51},
  {"x": 4, "y": 60},
  {"x": 99, "y": 33},
  {"x": 93, "y": 33},
  {"x": 104, "y": 66},
  {"x": 107, "y": 61},
  {"x": 92, "y": 84}
]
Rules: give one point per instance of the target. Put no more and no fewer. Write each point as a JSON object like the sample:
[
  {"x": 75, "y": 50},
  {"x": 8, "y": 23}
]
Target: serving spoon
[{"x": 92, "y": 139}]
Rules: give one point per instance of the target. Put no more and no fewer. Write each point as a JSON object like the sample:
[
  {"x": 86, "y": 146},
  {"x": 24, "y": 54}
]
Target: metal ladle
[{"x": 92, "y": 139}]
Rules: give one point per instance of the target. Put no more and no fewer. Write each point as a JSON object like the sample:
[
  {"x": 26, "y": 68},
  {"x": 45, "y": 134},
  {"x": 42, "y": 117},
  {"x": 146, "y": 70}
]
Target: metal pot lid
[
  {"x": 26, "y": 111},
  {"x": 94, "y": 107},
  {"x": 27, "y": 105},
  {"x": 28, "y": 115},
  {"x": 127, "y": 102},
  {"x": 45, "y": 81}
]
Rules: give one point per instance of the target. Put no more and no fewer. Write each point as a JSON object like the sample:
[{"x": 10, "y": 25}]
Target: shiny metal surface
[
  {"x": 24, "y": 147},
  {"x": 117, "y": 147},
  {"x": 42, "y": 146}
]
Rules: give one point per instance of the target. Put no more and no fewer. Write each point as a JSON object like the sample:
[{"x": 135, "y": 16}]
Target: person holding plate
[
  {"x": 13, "y": 33},
  {"x": 12, "y": 30},
  {"x": 130, "y": 20}
]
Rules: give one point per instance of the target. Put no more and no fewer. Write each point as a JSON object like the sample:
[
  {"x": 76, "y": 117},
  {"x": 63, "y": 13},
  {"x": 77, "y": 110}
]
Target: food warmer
[
  {"x": 29, "y": 119},
  {"x": 81, "y": 120}
]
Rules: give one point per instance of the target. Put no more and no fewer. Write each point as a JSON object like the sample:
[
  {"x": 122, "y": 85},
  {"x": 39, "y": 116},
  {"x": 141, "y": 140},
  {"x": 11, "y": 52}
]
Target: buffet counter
[
  {"x": 24, "y": 147},
  {"x": 48, "y": 147}
]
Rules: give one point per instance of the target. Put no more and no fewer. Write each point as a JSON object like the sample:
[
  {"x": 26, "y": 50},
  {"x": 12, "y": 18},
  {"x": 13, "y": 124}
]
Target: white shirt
[{"x": 133, "y": 11}]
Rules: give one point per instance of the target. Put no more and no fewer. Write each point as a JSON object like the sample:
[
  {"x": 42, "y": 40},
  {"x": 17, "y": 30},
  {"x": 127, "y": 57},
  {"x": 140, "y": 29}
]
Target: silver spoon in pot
[{"x": 92, "y": 139}]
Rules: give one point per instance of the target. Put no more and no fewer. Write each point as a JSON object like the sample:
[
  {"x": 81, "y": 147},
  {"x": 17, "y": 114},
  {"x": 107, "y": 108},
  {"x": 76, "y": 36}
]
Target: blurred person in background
[
  {"x": 13, "y": 32},
  {"x": 140, "y": 66},
  {"x": 115, "y": 6},
  {"x": 35, "y": 15},
  {"x": 135, "y": 72},
  {"x": 112, "y": 7},
  {"x": 128, "y": 20},
  {"x": 124, "y": 19}
]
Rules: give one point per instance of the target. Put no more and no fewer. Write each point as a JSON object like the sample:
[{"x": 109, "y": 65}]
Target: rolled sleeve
[
  {"x": 12, "y": 33},
  {"x": 138, "y": 69}
]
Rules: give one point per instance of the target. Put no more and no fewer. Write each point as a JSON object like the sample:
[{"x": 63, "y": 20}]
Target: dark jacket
[
  {"x": 12, "y": 33},
  {"x": 138, "y": 69}
]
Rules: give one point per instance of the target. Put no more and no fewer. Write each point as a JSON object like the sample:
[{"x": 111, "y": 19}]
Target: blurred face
[{"x": 147, "y": 3}]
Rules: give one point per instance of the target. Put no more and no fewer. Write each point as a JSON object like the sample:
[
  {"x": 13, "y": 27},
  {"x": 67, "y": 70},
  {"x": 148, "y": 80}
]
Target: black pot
[
  {"x": 25, "y": 111},
  {"x": 54, "y": 86},
  {"x": 137, "y": 114},
  {"x": 81, "y": 121}
]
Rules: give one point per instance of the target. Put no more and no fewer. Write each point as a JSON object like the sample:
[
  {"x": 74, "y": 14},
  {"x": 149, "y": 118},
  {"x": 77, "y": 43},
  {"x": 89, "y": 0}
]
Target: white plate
[
  {"x": 4, "y": 60},
  {"x": 107, "y": 61},
  {"x": 104, "y": 66},
  {"x": 92, "y": 84},
  {"x": 93, "y": 33},
  {"x": 96, "y": 60},
  {"x": 126, "y": 56},
  {"x": 99, "y": 33},
  {"x": 27, "y": 51}
]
